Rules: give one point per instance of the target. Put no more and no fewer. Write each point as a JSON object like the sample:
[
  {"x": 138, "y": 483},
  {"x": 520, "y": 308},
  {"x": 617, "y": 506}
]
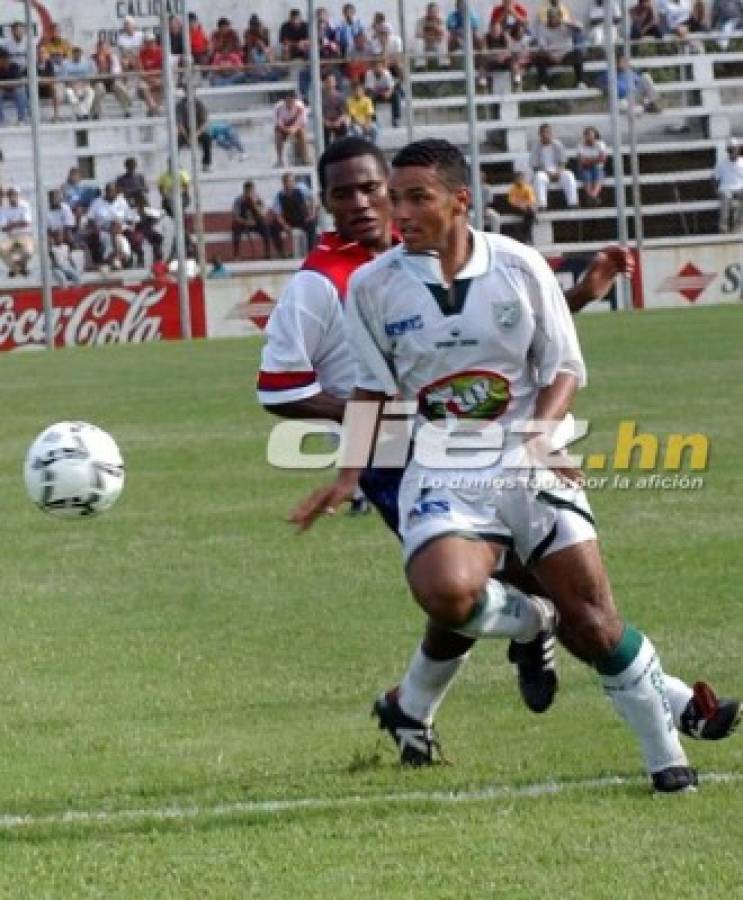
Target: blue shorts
[{"x": 382, "y": 488}]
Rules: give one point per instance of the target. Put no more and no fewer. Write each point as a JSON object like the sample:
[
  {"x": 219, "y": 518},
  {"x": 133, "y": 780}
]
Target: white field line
[{"x": 270, "y": 807}]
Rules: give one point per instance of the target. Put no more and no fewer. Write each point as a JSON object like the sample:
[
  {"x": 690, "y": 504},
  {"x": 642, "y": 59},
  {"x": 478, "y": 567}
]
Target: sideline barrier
[{"x": 91, "y": 315}]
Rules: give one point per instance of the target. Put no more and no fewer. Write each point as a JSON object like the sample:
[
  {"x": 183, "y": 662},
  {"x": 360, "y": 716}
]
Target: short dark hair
[
  {"x": 437, "y": 154},
  {"x": 348, "y": 148}
]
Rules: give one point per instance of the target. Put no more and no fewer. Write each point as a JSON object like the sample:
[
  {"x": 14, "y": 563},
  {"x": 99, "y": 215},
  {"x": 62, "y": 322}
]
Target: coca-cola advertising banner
[{"x": 93, "y": 315}]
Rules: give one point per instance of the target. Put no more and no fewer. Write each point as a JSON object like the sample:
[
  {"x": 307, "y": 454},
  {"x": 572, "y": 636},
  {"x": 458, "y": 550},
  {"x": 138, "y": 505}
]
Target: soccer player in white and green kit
[{"x": 473, "y": 327}]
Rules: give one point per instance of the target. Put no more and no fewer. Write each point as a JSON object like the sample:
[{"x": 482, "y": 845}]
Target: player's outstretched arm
[
  {"x": 599, "y": 277},
  {"x": 326, "y": 500}
]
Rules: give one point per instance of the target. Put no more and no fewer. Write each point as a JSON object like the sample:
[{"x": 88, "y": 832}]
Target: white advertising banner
[
  {"x": 693, "y": 275},
  {"x": 240, "y": 306}
]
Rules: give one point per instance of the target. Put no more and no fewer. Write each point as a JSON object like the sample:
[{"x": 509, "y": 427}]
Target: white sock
[
  {"x": 504, "y": 611},
  {"x": 425, "y": 684},
  {"x": 639, "y": 696},
  {"x": 679, "y": 693}
]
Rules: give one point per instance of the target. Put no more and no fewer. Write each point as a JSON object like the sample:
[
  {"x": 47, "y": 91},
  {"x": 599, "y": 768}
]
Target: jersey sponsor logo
[
  {"x": 475, "y": 394},
  {"x": 429, "y": 508},
  {"x": 396, "y": 329}
]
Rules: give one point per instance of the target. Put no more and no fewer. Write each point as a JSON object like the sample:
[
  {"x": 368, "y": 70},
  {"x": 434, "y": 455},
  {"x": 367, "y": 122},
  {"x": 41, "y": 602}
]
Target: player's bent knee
[
  {"x": 448, "y": 596},
  {"x": 592, "y": 630}
]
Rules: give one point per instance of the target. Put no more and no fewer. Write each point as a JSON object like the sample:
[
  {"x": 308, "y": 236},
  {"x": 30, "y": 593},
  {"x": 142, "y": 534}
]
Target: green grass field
[{"x": 170, "y": 668}]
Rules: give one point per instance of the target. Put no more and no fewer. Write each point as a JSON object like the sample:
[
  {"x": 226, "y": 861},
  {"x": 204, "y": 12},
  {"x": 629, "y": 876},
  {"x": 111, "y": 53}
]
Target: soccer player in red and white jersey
[{"x": 511, "y": 329}]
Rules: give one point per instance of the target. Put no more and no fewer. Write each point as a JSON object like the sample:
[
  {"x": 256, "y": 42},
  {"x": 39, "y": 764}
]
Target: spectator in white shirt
[
  {"x": 16, "y": 240},
  {"x": 382, "y": 86},
  {"x": 109, "y": 218},
  {"x": 60, "y": 220},
  {"x": 592, "y": 155},
  {"x": 386, "y": 44},
  {"x": 129, "y": 43},
  {"x": 16, "y": 45},
  {"x": 728, "y": 179},
  {"x": 80, "y": 94},
  {"x": 290, "y": 124},
  {"x": 548, "y": 163}
]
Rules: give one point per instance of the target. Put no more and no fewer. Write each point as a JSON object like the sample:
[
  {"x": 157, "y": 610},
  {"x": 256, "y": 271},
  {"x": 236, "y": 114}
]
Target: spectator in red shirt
[
  {"x": 200, "y": 49},
  {"x": 150, "y": 69},
  {"x": 225, "y": 39}
]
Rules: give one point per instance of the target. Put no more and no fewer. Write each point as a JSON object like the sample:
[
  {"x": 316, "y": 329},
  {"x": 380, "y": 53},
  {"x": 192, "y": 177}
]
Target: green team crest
[{"x": 466, "y": 395}]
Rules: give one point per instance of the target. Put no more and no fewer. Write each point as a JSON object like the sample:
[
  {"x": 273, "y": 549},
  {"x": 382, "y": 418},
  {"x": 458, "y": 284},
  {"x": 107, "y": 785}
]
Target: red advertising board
[{"x": 97, "y": 314}]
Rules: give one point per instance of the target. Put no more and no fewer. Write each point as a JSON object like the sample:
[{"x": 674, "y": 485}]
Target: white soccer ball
[{"x": 74, "y": 469}]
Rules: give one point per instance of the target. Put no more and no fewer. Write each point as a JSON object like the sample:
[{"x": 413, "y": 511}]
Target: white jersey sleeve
[
  {"x": 555, "y": 346},
  {"x": 369, "y": 342},
  {"x": 304, "y": 331}
]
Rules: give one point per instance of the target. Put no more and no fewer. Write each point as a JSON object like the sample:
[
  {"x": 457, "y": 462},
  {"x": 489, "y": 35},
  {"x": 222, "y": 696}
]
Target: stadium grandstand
[{"x": 101, "y": 105}]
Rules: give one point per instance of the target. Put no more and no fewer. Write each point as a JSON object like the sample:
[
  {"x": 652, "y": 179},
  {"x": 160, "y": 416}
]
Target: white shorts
[{"x": 529, "y": 512}]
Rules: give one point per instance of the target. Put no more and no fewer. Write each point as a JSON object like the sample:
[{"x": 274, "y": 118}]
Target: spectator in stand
[
  {"x": 726, "y": 16},
  {"x": 60, "y": 219},
  {"x": 294, "y": 37},
  {"x": 258, "y": 52},
  {"x": 728, "y": 181},
  {"x": 592, "y": 154},
  {"x": 334, "y": 116},
  {"x": 106, "y": 61},
  {"x": 62, "y": 229},
  {"x": 146, "y": 230},
  {"x": 16, "y": 230},
  {"x": 430, "y": 30},
  {"x": 129, "y": 42},
  {"x": 327, "y": 35},
  {"x": 131, "y": 183},
  {"x": 203, "y": 135},
  {"x": 548, "y": 161},
  {"x": 10, "y": 90},
  {"x": 150, "y": 70},
  {"x": 48, "y": 88},
  {"x": 523, "y": 201},
  {"x": 80, "y": 93},
  {"x": 76, "y": 195},
  {"x": 290, "y": 124},
  {"x": 455, "y": 28},
  {"x": 256, "y": 35},
  {"x": 227, "y": 68},
  {"x": 15, "y": 44},
  {"x": 225, "y": 136},
  {"x": 165, "y": 186},
  {"x": 558, "y": 43},
  {"x": 63, "y": 266},
  {"x": 645, "y": 94},
  {"x": 674, "y": 17},
  {"x": 361, "y": 116},
  {"x": 349, "y": 29},
  {"x": 385, "y": 44},
  {"x": 698, "y": 19},
  {"x": 58, "y": 47},
  {"x": 249, "y": 214},
  {"x": 200, "y": 47},
  {"x": 383, "y": 87},
  {"x": 509, "y": 48},
  {"x": 225, "y": 39},
  {"x": 596, "y": 23},
  {"x": 110, "y": 218},
  {"x": 177, "y": 40},
  {"x": 643, "y": 21},
  {"x": 293, "y": 207},
  {"x": 357, "y": 60}
]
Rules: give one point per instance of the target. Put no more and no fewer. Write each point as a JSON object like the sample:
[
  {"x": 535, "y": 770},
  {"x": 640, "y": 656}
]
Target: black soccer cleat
[
  {"x": 359, "y": 506},
  {"x": 708, "y": 718},
  {"x": 536, "y": 668},
  {"x": 417, "y": 742},
  {"x": 675, "y": 780}
]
